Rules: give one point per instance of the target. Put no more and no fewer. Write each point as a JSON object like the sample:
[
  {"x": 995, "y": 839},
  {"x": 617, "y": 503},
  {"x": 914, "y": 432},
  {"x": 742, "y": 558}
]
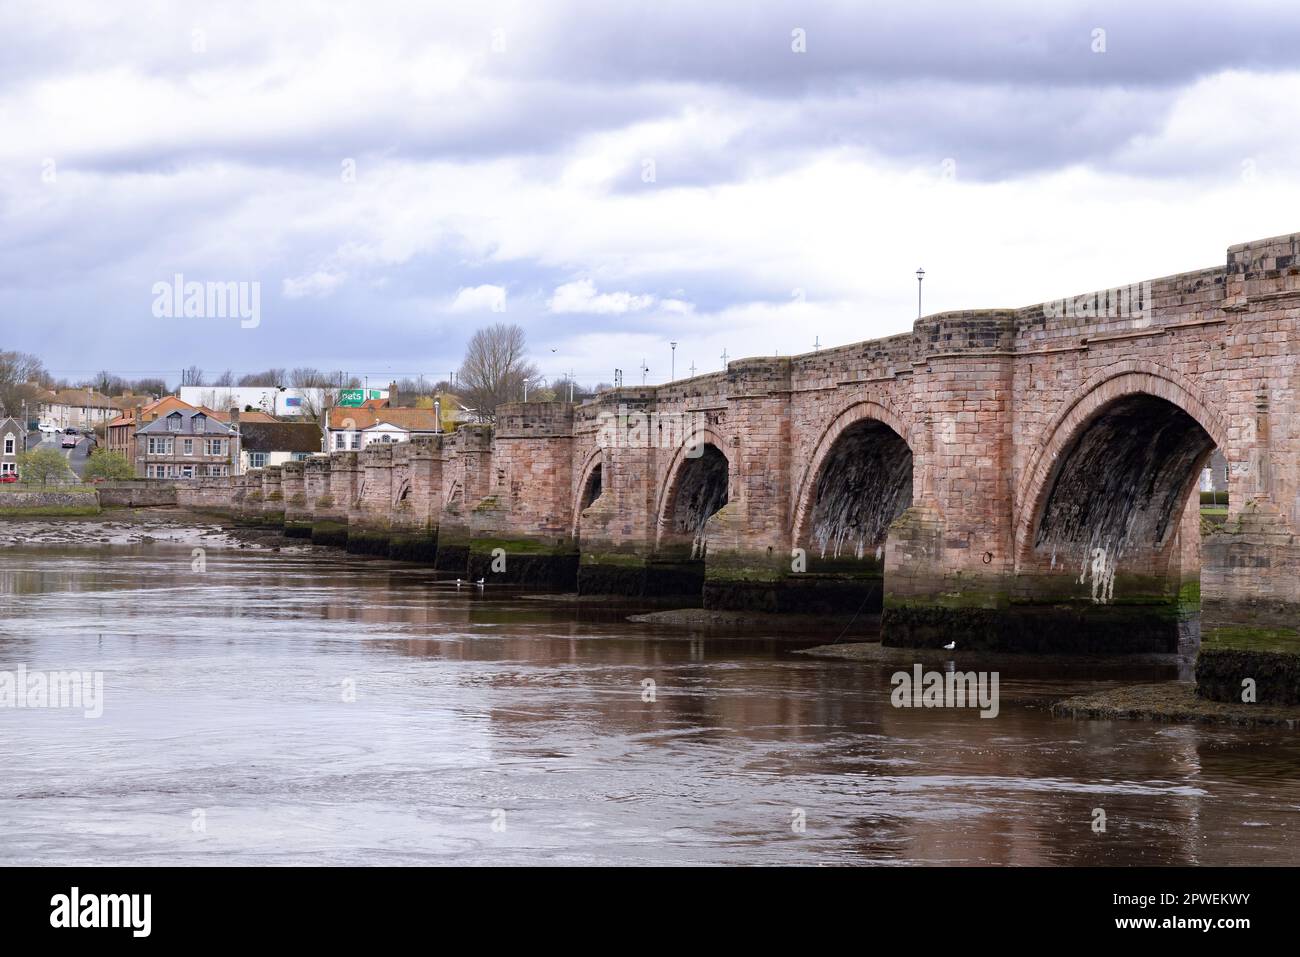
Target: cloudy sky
[{"x": 739, "y": 176}]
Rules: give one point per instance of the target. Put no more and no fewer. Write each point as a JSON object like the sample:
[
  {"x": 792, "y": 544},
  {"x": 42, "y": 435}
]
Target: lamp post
[
  {"x": 672, "y": 375},
  {"x": 920, "y": 274}
]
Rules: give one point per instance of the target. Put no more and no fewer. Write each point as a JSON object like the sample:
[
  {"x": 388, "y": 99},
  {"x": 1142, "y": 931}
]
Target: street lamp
[
  {"x": 672, "y": 377},
  {"x": 920, "y": 274}
]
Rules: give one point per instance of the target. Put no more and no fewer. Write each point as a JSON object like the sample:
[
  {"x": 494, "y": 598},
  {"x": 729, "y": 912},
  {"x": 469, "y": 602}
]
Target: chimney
[{"x": 234, "y": 418}]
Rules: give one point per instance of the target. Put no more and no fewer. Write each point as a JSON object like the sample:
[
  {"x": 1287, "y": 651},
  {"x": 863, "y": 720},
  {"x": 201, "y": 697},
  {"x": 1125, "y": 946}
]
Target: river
[{"x": 309, "y": 707}]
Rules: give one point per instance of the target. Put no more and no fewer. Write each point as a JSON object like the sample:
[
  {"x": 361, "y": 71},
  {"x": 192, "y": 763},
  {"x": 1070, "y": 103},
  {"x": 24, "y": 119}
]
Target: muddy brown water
[{"x": 307, "y": 707}]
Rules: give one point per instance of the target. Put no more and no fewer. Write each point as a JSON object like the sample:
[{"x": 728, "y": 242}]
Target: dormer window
[
  {"x": 200, "y": 423},
  {"x": 174, "y": 422}
]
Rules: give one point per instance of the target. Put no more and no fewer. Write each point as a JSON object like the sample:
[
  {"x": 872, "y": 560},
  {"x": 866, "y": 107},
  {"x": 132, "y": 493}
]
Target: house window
[
  {"x": 356, "y": 440},
  {"x": 199, "y": 424},
  {"x": 256, "y": 460},
  {"x": 9, "y": 445},
  {"x": 301, "y": 456},
  {"x": 187, "y": 471},
  {"x": 340, "y": 440},
  {"x": 174, "y": 422},
  {"x": 214, "y": 447},
  {"x": 187, "y": 446},
  {"x": 160, "y": 471},
  {"x": 7, "y": 468}
]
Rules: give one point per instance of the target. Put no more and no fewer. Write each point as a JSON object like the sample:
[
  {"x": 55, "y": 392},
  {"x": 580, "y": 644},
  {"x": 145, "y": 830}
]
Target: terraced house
[{"x": 187, "y": 443}]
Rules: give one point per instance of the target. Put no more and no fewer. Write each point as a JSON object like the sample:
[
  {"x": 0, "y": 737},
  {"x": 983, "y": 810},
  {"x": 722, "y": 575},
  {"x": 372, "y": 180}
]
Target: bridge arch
[
  {"x": 695, "y": 487},
  {"x": 593, "y": 479},
  {"x": 875, "y": 432},
  {"x": 1114, "y": 470}
]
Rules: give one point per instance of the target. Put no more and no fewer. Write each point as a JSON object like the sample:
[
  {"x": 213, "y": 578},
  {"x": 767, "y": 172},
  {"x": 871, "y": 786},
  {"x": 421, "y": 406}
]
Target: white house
[
  {"x": 353, "y": 429},
  {"x": 12, "y": 438}
]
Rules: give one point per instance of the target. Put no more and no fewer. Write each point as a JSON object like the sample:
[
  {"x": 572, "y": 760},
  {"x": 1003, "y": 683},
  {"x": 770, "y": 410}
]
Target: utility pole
[
  {"x": 817, "y": 343},
  {"x": 920, "y": 274},
  {"x": 644, "y": 369},
  {"x": 724, "y": 358},
  {"x": 692, "y": 368},
  {"x": 672, "y": 376},
  {"x": 571, "y": 385}
]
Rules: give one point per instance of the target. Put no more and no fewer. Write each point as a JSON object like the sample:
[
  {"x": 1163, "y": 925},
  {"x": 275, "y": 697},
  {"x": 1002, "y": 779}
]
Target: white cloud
[
  {"x": 581, "y": 296},
  {"x": 485, "y": 298},
  {"x": 318, "y": 284}
]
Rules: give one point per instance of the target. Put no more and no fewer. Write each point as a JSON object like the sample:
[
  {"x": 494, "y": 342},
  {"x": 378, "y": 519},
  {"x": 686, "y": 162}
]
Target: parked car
[
  {"x": 70, "y": 431},
  {"x": 70, "y": 441},
  {"x": 8, "y": 477}
]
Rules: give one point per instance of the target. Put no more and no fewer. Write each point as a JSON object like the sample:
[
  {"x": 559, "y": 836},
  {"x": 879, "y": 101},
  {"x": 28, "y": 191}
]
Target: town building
[
  {"x": 349, "y": 429},
  {"x": 281, "y": 402},
  {"x": 274, "y": 443},
  {"x": 187, "y": 443},
  {"x": 13, "y": 438},
  {"x": 75, "y": 408}
]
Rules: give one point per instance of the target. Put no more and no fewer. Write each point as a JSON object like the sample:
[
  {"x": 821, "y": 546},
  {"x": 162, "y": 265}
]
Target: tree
[
  {"x": 495, "y": 369},
  {"x": 105, "y": 383},
  {"x": 44, "y": 466},
  {"x": 108, "y": 465},
  {"x": 225, "y": 380},
  {"x": 192, "y": 376},
  {"x": 19, "y": 371},
  {"x": 263, "y": 380}
]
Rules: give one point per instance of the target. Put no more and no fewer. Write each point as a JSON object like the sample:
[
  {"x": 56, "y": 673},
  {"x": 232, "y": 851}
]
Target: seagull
[
  {"x": 457, "y": 582},
  {"x": 480, "y": 582},
  {"x": 950, "y": 646}
]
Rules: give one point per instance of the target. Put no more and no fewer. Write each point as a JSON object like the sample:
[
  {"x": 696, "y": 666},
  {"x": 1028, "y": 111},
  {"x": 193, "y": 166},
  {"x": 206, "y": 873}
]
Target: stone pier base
[
  {"x": 365, "y": 539},
  {"x": 534, "y": 563},
  {"x": 636, "y": 577},
  {"x": 1057, "y": 629},
  {"x": 413, "y": 545}
]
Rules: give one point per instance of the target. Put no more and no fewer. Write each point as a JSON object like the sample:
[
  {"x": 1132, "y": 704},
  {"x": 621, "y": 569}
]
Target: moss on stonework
[
  {"x": 329, "y": 533},
  {"x": 364, "y": 541},
  {"x": 522, "y": 546},
  {"x": 1252, "y": 638},
  {"x": 421, "y": 548},
  {"x": 50, "y": 511}
]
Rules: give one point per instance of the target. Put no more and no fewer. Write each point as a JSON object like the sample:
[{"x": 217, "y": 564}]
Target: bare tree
[
  {"x": 320, "y": 389},
  {"x": 267, "y": 379},
  {"x": 192, "y": 376},
  {"x": 225, "y": 380},
  {"x": 106, "y": 383},
  {"x": 495, "y": 369},
  {"x": 20, "y": 372},
  {"x": 156, "y": 387}
]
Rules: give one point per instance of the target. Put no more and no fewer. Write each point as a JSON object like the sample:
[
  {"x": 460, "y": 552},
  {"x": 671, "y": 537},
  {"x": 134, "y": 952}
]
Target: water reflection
[{"x": 227, "y": 692}]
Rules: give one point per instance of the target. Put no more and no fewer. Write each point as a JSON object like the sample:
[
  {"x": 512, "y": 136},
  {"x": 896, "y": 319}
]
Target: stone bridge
[{"x": 1020, "y": 478}]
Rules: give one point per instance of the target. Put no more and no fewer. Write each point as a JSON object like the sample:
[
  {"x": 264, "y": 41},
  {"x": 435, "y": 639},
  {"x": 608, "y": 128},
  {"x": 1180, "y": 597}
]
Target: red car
[{"x": 9, "y": 477}]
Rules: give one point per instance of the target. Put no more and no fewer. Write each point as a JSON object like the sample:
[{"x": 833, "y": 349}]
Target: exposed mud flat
[
  {"x": 808, "y": 626},
  {"x": 139, "y": 526},
  {"x": 1174, "y": 701},
  {"x": 876, "y": 653}
]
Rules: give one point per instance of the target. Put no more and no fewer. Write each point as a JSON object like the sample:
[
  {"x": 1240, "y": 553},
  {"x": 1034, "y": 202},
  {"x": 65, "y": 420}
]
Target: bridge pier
[
  {"x": 339, "y": 481},
  {"x": 370, "y": 517},
  {"x": 521, "y": 531},
  {"x": 417, "y": 486},
  {"x": 293, "y": 489}
]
